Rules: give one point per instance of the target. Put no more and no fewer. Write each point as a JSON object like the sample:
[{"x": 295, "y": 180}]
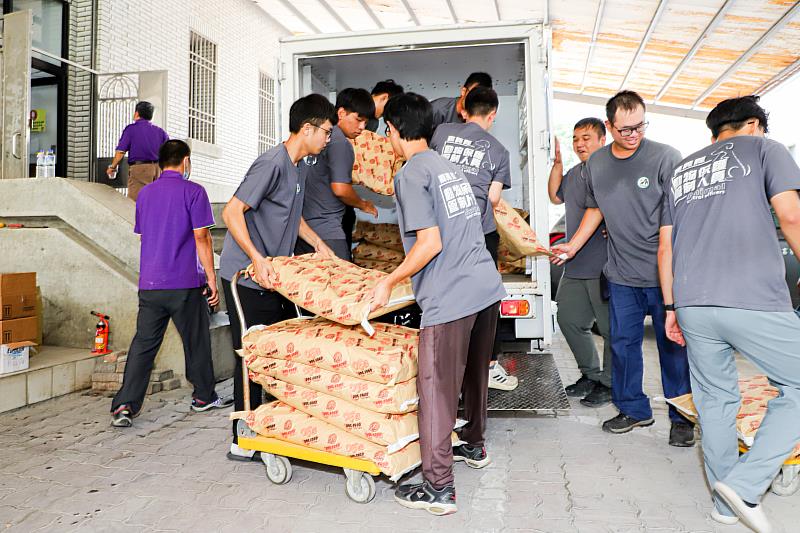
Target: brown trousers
[
  {"x": 451, "y": 355},
  {"x": 139, "y": 176}
]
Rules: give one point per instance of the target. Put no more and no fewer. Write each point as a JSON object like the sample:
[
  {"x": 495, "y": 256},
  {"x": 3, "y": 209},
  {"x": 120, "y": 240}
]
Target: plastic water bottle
[
  {"x": 50, "y": 163},
  {"x": 40, "y": 167}
]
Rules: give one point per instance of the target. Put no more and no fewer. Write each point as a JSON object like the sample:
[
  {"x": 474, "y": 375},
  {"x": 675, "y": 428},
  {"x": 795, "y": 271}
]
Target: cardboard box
[
  {"x": 19, "y": 330},
  {"x": 15, "y": 356},
  {"x": 17, "y": 295}
]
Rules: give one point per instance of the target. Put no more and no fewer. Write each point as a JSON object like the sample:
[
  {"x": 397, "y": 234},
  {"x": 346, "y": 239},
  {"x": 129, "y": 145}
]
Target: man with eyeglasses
[
  {"x": 625, "y": 189},
  {"x": 329, "y": 186}
]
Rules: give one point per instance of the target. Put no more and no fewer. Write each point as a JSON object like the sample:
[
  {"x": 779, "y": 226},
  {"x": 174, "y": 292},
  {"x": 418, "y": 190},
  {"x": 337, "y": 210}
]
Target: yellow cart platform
[{"x": 275, "y": 453}]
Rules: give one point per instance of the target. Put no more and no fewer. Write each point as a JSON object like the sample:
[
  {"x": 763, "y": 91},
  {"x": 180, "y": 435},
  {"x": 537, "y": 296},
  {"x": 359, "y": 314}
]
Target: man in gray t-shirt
[
  {"x": 625, "y": 188},
  {"x": 264, "y": 220},
  {"x": 447, "y": 110},
  {"x": 721, "y": 261},
  {"x": 484, "y": 161},
  {"x": 458, "y": 289},
  {"x": 329, "y": 186},
  {"x": 580, "y": 299}
]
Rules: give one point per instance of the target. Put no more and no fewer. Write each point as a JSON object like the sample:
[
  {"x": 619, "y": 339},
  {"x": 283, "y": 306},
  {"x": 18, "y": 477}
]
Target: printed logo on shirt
[
  {"x": 468, "y": 155},
  {"x": 643, "y": 182},
  {"x": 298, "y": 190},
  {"x": 707, "y": 176},
  {"x": 457, "y": 196}
]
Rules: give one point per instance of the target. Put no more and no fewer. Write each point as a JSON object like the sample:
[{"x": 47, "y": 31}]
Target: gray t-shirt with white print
[
  {"x": 725, "y": 249},
  {"x": 629, "y": 193},
  {"x": 445, "y": 111},
  {"x": 462, "y": 279},
  {"x": 482, "y": 159}
]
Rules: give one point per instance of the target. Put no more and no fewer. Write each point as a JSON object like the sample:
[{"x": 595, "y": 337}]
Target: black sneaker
[
  {"x": 580, "y": 388},
  {"x": 122, "y": 417},
  {"x": 600, "y": 396},
  {"x": 474, "y": 456},
  {"x": 681, "y": 435},
  {"x": 424, "y": 496},
  {"x": 623, "y": 424},
  {"x": 220, "y": 403}
]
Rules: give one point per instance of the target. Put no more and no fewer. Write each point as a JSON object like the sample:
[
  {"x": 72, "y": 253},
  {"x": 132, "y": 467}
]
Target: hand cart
[{"x": 275, "y": 453}]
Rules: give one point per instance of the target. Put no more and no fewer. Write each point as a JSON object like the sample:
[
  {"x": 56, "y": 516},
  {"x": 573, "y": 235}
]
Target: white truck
[{"x": 435, "y": 62}]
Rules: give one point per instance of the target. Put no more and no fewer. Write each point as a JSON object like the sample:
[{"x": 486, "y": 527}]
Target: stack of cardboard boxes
[{"x": 19, "y": 322}]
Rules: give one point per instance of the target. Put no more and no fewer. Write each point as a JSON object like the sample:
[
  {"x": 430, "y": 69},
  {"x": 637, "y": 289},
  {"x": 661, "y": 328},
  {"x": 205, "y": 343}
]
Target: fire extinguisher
[{"x": 101, "y": 334}]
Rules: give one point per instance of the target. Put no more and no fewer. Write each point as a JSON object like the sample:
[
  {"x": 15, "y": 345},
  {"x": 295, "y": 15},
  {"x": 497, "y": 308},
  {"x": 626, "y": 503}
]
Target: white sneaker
[
  {"x": 720, "y": 518},
  {"x": 499, "y": 378},
  {"x": 238, "y": 453},
  {"x": 753, "y": 517}
]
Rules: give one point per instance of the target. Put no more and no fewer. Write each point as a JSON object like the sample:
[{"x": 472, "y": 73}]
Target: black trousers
[
  {"x": 259, "y": 307},
  {"x": 340, "y": 247},
  {"x": 492, "y": 243},
  {"x": 348, "y": 224},
  {"x": 188, "y": 309}
]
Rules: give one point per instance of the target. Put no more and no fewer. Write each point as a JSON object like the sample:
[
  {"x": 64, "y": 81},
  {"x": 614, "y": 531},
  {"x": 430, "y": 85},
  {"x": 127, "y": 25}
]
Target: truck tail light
[{"x": 515, "y": 308}]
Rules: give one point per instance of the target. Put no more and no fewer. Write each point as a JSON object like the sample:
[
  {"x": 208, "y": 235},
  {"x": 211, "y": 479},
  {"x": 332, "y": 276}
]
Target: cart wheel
[
  {"x": 787, "y": 481},
  {"x": 243, "y": 430},
  {"x": 279, "y": 469},
  {"x": 360, "y": 487}
]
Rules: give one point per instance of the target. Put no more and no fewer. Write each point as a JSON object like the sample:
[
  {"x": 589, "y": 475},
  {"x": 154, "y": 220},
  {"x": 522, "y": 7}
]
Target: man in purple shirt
[
  {"x": 141, "y": 140},
  {"x": 176, "y": 274}
]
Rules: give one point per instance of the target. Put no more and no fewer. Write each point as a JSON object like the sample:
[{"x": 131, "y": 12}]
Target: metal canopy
[{"x": 685, "y": 54}]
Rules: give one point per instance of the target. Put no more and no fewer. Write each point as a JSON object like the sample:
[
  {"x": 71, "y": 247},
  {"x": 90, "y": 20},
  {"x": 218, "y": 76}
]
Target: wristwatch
[{"x": 669, "y": 307}]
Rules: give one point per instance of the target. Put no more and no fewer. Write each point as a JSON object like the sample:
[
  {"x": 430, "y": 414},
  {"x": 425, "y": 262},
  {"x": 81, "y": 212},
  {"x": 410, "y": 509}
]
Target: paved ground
[{"x": 63, "y": 468}]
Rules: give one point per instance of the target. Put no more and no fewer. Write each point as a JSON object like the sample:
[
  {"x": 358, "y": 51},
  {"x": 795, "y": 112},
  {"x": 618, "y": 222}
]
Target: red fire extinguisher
[{"x": 102, "y": 331}]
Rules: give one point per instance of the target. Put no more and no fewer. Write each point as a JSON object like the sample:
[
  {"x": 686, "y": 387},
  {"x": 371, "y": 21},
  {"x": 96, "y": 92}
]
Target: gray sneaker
[
  {"x": 623, "y": 424},
  {"x": 424, "y": 496}
]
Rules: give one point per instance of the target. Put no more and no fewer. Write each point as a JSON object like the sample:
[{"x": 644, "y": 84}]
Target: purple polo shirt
[
  {"x": 167, "y": 212},
  {"x": 141, "y": 140}
]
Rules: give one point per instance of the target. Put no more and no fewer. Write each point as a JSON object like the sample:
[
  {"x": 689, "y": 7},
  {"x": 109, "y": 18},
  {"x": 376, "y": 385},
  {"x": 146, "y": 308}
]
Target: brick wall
[
  {"x": 79, "y": 90},
  {"x": 149, "y": 35}
]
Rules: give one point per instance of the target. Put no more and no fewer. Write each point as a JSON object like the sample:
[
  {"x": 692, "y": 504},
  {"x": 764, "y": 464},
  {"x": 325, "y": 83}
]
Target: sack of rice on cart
[
  {"x": 392, "y": 431},
  {"x": 515, "y": 233},
  {"x": 388, "y": 399},
  {"x": 335, "y": 289},
  {"x": 367, "y": 250},
  {"x": 385, "y": 235},
  {"x": 280, "y": 421},
  {"x": 375, "y": 163},
  {"x": 756, "y": 392},
  {"x": 388, "y": 357}
]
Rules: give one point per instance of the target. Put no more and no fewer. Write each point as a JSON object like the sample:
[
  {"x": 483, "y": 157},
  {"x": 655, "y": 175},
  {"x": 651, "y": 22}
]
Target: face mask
[
  {"x": 187, "y": 170},
  {"x": 186, "y": 174}
]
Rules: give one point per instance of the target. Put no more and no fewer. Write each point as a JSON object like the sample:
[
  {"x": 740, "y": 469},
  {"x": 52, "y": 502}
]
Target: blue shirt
[{"x": 167, "y": 213}]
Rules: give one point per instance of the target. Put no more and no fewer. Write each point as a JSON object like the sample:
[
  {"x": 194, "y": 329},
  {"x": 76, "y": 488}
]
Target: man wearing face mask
[
  {"x": 173, "y": 217},
  {"x": 329, "y": 186}
]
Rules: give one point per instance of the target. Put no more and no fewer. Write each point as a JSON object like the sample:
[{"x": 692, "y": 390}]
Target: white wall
[{"x": 146, "y": 35}]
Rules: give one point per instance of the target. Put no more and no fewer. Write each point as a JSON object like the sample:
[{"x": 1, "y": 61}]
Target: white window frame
[{"x": 203, "y": 68}]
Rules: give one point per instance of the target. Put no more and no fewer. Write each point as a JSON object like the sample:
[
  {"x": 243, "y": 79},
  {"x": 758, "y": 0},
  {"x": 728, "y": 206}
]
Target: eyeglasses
[
  {"x": 328, "y": 132},
  {"x": 627, "y": 132}
]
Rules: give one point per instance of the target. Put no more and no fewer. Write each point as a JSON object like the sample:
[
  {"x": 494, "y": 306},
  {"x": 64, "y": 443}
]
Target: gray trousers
[
  {"x": 338, "y": 246},
  {"x": 580, "y": 305},
  {"x": 771, "y": 340}
]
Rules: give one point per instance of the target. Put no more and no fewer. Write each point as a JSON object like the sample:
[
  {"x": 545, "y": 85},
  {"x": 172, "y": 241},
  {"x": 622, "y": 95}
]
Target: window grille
[
  {"x": 202, "y": 89},
  {"x": 267, "y": 132}
]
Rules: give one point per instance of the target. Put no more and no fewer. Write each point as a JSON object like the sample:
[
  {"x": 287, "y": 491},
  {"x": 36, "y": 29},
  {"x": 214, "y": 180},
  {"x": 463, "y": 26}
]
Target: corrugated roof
[{"x": 687, "y": 54}]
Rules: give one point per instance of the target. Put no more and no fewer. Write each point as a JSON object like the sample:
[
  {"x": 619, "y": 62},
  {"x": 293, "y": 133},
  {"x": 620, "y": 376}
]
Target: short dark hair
[
  {"x": 356, "y": 100},
  {"x": 627, "y": 100},
  {"x": 590, "y": 122},
  {"x": 411, "y": 115},
  {"x": 313, "y": 109},
  {"x": 481, "y": 101},
  {"x": 387, "y": 87},
  {"x": 172, "y": 153},
  {"x": 479, "y": 78},
  {"x": 734, "y": 113},
  {"x": 145, "y": 110}
]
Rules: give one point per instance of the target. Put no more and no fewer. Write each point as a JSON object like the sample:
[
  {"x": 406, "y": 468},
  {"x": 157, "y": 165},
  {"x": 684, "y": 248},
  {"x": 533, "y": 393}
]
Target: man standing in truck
[
  {"x": 484, "y": 161},
  {"x": 329, "y": 183},
  {"x": 447, "y": 109}
]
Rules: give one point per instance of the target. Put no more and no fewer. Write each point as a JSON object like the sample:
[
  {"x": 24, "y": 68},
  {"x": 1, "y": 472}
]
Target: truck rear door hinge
[{"x": 544, "y": 141}]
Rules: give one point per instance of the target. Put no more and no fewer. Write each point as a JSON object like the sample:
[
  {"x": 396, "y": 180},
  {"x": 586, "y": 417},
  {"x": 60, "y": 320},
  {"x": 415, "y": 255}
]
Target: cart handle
[{"x": 243, "y": 325}]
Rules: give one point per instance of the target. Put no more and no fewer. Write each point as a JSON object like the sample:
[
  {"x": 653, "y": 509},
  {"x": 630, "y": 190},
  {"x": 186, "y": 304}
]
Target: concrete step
[{"x": 53, "y": 371}]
